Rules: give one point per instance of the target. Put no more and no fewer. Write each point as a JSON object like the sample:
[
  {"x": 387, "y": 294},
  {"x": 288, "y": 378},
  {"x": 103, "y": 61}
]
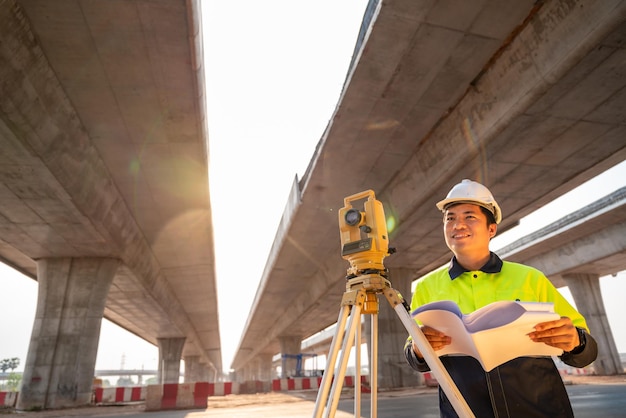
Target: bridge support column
[
  {"x": 252, "y": 372},
  {"x": 193, "y": 369},
  {"x": 289, "y": 345},
  {"x": 247, "y": 373},
  {"x": 207, "y": 374},
  {"x": 585, "y": 289},
  {"x": 215, "y": 367},
  {"x": 61, "y": 358},
  {"x": 264, "y": 367},
  {"x": 393, "y": 370},
  {"x": 170, "y": 352}
]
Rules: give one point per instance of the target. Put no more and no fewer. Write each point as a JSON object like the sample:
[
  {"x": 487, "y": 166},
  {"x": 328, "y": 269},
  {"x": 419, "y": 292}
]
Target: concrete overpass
[
  {"x": 104, "y": 185},
  {"x": 576, "y": 251},
  {"x": 526, "y": 97}
]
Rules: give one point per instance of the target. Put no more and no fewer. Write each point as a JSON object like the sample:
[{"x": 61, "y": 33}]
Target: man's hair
[{"x": 490, "y": 218}]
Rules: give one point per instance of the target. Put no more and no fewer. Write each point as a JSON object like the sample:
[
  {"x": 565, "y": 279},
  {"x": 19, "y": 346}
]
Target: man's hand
[
  {"x": 560, "y": 333},
  {"x": 437, "y": 340}
]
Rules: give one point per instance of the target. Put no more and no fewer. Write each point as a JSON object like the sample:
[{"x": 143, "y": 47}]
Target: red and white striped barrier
[
  {"x": 120, "y": 395},
  {"x": 297, "y": 383},
  {"x": 303, "y": 383},
  {"x": 186, "y": 395},
  {"x": 430, "y": 380},
  {"x": 573, "y": 371},
  {"x": 8, "y": 399},
  {"x": 349, "y": 381},
  {"x": 223, "y": 388}
]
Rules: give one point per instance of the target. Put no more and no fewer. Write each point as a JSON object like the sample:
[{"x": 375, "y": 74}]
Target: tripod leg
[
  {"x": 357, "y": 371},
  {"x": 374, "y": 367},
  {"x": 322, "y": 395},
  {"x": 438, "y": 369},
  {"x": 340, "y": 374}
]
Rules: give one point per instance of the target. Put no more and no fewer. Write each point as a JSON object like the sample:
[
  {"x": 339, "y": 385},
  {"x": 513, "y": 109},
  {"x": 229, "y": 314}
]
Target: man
[{"x": 525, "y": 386}]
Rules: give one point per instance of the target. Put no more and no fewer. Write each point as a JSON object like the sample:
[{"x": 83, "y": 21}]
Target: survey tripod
[
  {"x": 361, "y": 297},
  {"x": 365, "y": 243}
]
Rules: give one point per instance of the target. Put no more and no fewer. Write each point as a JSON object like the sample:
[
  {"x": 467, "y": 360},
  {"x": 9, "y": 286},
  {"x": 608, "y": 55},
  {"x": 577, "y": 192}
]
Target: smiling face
[{"x": 467, "y": 232}]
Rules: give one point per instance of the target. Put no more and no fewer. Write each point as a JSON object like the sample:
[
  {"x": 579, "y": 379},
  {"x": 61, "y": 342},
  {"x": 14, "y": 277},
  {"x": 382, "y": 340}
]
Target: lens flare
[{"x": 391, "y": 224}]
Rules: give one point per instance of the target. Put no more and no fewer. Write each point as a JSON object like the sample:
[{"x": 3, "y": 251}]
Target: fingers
[
  {"x": 437, "y": 339},
  {"x": 556, "y": 323},
  {"x": 560, "y": 333}
]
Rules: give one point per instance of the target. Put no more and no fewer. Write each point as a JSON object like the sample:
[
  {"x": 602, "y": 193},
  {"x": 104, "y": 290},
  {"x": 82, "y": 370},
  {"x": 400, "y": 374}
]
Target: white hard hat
[{"x": 468, "y": 191}]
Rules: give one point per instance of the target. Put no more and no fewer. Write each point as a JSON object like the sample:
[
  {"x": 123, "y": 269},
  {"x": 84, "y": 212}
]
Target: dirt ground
[
  {"x": 223, "y": 403},
  {"x": 232, "y": 401}
]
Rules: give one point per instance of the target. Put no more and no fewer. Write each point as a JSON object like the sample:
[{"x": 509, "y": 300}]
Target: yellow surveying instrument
[{"x": 364, "y": 243}]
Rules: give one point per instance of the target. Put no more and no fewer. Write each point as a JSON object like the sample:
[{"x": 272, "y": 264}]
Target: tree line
[
  {"x": 9, "y": 363},
  {"x": 13, "y": 380}
]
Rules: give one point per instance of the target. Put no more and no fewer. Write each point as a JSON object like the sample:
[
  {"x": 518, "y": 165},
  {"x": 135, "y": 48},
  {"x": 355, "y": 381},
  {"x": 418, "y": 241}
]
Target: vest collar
[{"x": 493, "y": 265}]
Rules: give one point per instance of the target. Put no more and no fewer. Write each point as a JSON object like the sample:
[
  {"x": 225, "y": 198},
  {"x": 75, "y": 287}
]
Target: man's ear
[{"x": 493, "y": 228}]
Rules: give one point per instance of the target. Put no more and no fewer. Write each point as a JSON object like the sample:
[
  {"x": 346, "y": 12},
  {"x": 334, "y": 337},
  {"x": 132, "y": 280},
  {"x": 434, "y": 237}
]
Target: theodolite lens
[{"x": 353, "y": 217}]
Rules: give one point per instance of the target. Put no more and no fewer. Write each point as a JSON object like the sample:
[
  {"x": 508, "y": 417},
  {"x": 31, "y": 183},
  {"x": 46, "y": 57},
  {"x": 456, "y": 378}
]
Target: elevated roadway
[
  {"x": 575, "y": 251},
  {"x": 591, "y": 240},
  {"x": 104, "y": 177},
  {"x": 526, "y": 97}
]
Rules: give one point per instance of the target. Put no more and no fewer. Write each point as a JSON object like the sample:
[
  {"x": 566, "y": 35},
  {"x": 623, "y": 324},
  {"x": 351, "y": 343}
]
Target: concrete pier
[
  {"x": 170, "y": 353},
  {"x": 61, "y": 358}
]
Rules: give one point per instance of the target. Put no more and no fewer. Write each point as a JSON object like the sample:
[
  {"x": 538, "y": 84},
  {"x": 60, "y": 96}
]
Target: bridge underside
[{"x": 530, "y": 106}]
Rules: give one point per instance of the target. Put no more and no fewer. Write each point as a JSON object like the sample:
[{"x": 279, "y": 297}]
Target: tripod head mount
[{"x": 364, "y": 240}]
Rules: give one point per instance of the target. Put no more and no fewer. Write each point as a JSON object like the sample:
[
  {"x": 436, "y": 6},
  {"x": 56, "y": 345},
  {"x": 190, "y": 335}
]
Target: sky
[
  {"x": 275, "y": 73},
  {"x": 275, "y": 70}
]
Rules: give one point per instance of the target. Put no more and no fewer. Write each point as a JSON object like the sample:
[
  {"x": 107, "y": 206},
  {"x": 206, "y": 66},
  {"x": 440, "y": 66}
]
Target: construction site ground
[{"x": 292, "y": 404}]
